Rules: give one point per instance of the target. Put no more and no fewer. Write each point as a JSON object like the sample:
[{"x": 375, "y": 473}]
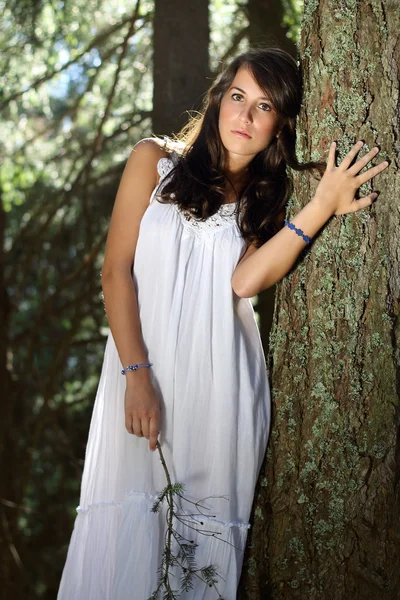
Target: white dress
[{"x": 209, "y": 368}]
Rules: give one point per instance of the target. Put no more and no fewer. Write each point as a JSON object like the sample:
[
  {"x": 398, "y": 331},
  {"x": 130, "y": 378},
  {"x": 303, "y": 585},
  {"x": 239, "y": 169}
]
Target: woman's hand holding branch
[{"x": 142, "y": 407}]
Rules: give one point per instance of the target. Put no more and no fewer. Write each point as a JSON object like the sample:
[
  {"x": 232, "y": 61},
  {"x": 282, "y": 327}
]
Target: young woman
[{"x": 196, "y": 231}]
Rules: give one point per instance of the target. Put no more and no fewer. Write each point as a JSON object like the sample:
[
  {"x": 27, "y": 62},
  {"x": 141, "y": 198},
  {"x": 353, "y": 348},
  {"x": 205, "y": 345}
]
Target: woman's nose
[{"x": 245, "y": 116}]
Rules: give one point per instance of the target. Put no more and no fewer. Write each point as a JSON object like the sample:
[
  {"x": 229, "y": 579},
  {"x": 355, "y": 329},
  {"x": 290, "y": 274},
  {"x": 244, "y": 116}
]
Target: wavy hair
[{"x": 198, "y": 182}]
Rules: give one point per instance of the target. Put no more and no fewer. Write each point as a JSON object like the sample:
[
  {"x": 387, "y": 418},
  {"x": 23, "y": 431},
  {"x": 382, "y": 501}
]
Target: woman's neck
[
  {"x": 234, "y": 185},
  {"x": 237, "y": 180}
]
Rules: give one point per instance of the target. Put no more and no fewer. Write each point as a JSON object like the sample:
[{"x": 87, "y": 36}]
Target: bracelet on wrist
[
  {"x": 299, "y": 232},
  {"x": 135, "y": 367}
]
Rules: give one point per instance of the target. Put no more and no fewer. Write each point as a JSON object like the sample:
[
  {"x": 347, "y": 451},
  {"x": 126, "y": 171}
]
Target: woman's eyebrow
[{"x": 243, "y": 92}]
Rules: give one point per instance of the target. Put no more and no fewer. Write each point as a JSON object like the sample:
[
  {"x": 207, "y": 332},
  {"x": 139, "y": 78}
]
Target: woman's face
[{"x": 247, "y": 120}]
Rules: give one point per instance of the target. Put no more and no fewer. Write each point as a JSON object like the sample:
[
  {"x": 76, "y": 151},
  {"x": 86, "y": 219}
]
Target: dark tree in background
[
  {"x": 181, "y": 64},
  {"x": 327, "y": 513},
  {"x": 267, "y": 26}
]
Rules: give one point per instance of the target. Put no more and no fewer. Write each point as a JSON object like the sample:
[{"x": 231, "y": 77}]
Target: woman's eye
[
  {"x": 265, "y": 106},
  {"x": 236, "y": 96}
]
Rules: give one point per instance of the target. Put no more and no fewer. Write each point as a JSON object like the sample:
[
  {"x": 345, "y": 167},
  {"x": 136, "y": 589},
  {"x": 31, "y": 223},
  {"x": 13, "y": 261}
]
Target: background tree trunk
[
  {"x": 327, "y": 508},
  {"x": 266, "y": 26},
  {"x": 181, "y": 65},
  {"x": 8, "y": 532}
]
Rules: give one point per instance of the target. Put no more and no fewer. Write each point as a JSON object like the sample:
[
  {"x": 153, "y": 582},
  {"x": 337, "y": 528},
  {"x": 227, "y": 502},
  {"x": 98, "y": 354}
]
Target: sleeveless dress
[{"x": 209, "y": 369}]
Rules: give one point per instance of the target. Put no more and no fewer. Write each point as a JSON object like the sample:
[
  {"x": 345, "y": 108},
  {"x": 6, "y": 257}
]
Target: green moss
[
  {"x": 378, "y": 13},
  {"x": 302, "y": 499},
  {"x": 252, "y": 566},
  {"x": 290, "y": 466},
  {"x": 368, "y": 377},
  {"x": 309, "y": 471},
  {"x": 296, "y": 547},
  {"x": 336, "y": 511},
  {"x": 322, "y": 527},
  {"x": 258, "y": 513},
  {"x": 387, "y": 318},
  {"x": 379, "y": 450},
  {"x": 282, "y": 564},
  {"x": 319, "y": 391},
  {"x": 310, "y": 6},
  {"x": 353, "y": 486},
  {"x": 277, "y": 339}
]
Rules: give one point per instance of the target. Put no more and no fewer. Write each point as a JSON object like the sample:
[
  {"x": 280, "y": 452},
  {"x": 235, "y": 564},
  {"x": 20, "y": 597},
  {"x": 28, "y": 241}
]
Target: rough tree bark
[
  {"x": 326, "y": 516},
  {"x": 181, "y": 67}
]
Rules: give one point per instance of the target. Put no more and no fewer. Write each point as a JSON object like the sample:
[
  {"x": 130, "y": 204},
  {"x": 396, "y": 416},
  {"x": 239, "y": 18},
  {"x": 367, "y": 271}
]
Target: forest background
[{"x": 82, "y": 82}]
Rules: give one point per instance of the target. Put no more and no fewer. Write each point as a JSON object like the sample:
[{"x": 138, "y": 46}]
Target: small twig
[
  {"x": 184, "y": 558},
  {"x": 197, "y": 504}
]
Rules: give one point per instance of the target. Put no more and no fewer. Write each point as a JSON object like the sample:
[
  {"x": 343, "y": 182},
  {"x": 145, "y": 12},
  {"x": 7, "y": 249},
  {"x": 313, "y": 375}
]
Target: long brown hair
[{"x": 198, "y": 182}]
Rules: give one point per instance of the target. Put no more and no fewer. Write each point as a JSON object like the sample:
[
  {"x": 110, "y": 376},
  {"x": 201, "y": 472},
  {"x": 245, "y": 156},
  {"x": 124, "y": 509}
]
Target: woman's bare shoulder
[
  {"x": 152, "y": 148},
  {"x": 162, "y": 147},
  {"x": 144, "y": 159}
]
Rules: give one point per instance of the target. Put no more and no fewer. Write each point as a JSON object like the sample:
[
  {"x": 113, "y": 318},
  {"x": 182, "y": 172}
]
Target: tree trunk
[
  {"x": 181, "y": 66},
  {"x": 9, "y": 563},
  {"x": 326, "y": 515},
  {"x": 266, "y": 26}
]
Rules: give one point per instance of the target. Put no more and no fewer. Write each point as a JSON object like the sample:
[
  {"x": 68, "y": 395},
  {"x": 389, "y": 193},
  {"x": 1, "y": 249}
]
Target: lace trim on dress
[
  {"x": 153, "y": 497},
  {"x": 128, "y": 493},
  {"x": 224, "y": 217},
  {"x": 165, "y": 165}
]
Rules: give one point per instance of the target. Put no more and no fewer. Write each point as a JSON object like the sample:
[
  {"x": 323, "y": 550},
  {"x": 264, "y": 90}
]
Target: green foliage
[
  {"x": 292, "y": 18},
  {"x": 226, "y": 15}
]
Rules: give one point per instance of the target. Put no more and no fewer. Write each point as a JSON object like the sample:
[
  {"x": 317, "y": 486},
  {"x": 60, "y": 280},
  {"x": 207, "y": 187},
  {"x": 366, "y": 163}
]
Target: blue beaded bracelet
[
  {"x": 135, "y": 367},
  {"x": 299, "y": 232}
]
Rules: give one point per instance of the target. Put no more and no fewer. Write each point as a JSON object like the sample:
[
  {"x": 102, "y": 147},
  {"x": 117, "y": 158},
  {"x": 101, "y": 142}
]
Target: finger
[
  {"x": 128, "y": 424},
  {"x": 331, "y": 162},
  {"x": 154, "y": 431},
  {"x": 367, "y": 175},
  {"x": 145, "y": 426},
  {"x": 348, "y": 159},
  {"x": 359, "y": 204},
  {"x": 137, "y": 427},
  {"x": 364, "y": 160}
]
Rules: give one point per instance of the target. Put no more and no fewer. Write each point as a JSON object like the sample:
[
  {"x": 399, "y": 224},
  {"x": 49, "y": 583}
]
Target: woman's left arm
[{"x": 261, "y": 268}]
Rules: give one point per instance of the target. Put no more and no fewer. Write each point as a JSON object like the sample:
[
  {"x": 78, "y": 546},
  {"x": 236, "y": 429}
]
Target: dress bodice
[{"x": 224, "y": 218}]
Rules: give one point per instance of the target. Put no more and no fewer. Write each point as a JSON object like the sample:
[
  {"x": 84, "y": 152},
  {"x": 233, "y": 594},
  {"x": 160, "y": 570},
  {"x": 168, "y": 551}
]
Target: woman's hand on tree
[
  {"x": 338, "y": 185},
  {"x": 142, "y": 409}
]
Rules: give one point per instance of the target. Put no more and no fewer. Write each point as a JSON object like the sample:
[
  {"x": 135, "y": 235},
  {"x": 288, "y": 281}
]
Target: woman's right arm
[
  {"x": 142, "y": 405},
  {"x": 260, "y": 268}
]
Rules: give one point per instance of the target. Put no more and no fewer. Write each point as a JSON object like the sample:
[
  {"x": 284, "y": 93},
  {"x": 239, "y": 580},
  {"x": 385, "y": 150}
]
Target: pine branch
[{"x": 184, "y": 558}]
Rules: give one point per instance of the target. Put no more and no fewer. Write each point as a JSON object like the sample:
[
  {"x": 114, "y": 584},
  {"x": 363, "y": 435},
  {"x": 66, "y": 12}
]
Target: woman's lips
[{"x": 242, "y": 134}]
